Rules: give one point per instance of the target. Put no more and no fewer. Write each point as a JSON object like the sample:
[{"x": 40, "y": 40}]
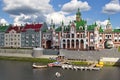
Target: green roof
[
  {"x": 3, "y": 28},
  {"x": 91, "y": 27},
  {"x": 58, "y": 29},
  {"x": 116, "y": 30},
  {"x": 67, "y": 28},
  {"x": 81, "y": 24},
  {"x": 100, "y": 30}
]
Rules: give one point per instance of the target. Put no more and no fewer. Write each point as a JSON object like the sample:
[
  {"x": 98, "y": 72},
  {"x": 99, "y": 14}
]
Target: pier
[{"x": 72, "y": 67}]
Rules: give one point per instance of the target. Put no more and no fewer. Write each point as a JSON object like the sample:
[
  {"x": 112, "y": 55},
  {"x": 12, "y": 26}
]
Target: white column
[
  {"x": 84, "y": 43},
  {"x": 79, "y": 44},
  {"x": 70, "y": 43},
  {"x": 74, "y": 43},
  {"x": 66, "y": 44},
  {"x": 61, "y": 43}
]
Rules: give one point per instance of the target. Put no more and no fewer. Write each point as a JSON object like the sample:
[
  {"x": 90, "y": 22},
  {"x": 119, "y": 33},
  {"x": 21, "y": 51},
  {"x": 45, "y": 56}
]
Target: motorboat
[{"x": 38, "y": 66}]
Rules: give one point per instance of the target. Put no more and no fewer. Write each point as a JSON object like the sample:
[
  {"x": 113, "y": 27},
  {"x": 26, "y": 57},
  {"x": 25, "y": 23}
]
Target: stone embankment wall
[
  {"x": 90, "y": 55},
  {"x": 16, "y": 52},
  {"x": 28, "y": 53}
]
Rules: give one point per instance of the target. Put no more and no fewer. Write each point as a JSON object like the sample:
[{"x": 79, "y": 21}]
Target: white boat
[{"x": 38, "y": 66}]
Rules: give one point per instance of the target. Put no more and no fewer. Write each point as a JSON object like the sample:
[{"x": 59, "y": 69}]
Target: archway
[
  {"x": 68, "y": 44},
  {"x": 48, "y": 44},
  {"x": 64, "y": 44},
  {"x": 72, "y": 44},
  {"x": 77, "y": 44},
  {"x": 81, "y": 44}
]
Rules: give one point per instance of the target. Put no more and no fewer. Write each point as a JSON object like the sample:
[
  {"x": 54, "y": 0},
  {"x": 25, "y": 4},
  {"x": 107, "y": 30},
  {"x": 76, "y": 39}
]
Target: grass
[
  {"x": 82, "y": 63},
  {"x": 25, "y": 59},
  {"x": 46, "y": 61},
  {"x": 119, "y": 49}
]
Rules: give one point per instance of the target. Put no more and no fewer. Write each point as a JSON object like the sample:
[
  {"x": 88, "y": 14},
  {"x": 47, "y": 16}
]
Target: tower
[
  {"x": 108, "y": 26},
  {"x": 52, "y": 25},
  {"x": 62, "y": 28},
  {"x": 78, "y": 15}
]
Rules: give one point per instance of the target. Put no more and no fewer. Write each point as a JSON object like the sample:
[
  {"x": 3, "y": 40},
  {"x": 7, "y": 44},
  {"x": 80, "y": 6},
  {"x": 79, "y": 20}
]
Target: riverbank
[
  {"x": 26, "y": 59},
  {"x": 46, "y": 61}
]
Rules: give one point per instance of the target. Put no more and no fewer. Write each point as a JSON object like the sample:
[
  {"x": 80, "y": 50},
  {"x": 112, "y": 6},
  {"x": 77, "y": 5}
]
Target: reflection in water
[{"x": 14, "y": 70}]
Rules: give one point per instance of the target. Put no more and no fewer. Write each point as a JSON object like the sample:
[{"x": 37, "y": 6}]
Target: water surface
[{"x": 14, "y": 70}]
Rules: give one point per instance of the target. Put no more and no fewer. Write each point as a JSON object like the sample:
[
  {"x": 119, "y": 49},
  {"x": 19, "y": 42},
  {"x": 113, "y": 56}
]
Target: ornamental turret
[
  {"x": 108, "y": 26},
  {"x": 78, "y": 15}
]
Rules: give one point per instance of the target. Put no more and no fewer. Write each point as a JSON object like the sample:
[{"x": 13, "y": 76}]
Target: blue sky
[{"x": 28, "y": 11}]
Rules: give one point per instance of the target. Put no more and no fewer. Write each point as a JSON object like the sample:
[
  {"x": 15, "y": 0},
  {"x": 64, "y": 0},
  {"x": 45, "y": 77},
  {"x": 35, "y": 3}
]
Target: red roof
[
  {"x": 15, "y": 28},
  {"x": 35, "y": 27}
]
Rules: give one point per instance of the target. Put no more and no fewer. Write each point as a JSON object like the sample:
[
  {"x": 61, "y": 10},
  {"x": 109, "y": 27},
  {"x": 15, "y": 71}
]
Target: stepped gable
[
  {"x": 35, "y": 27},
  {"x": 15, "y": 28}
]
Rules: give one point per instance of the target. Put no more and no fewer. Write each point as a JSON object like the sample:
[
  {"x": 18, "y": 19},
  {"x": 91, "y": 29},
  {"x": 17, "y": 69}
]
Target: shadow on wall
[
  {"x": 117, "y": 63},
  {"x": 111, "y": 61}
]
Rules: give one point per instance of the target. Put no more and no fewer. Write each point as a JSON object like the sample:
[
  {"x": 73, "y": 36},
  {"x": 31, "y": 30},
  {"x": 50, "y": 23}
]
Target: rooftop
[{"x": 35, "y": 27}]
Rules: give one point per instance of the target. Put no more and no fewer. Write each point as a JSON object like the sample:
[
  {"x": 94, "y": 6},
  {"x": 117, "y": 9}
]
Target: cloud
[
  {"x": 102, "y": 23},
  {"x": 58, "y": 17},
  {"x": 73, "y": 5},
  {"x": 3, "y": 21},
  {"x": 22, "y": 19},
  {"x": 16, "y": 7},
  {"x": 112, "y": 7},
  {"x": 28, "y": 10}
]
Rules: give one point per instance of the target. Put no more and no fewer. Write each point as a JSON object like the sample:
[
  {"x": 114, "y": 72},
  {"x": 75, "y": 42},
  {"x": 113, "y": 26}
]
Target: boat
[
  {"x": 100, "y": 64},
  {"x": 54, "y": 64},
  {"x": 38, "y": 66}
]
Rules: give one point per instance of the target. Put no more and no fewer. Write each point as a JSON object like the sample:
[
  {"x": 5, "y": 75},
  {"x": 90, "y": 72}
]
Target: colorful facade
[
  {"x": 31, "y": 35},
  {"x": 80, "y": 36},
  {"x": 13, "y": 36},
  {"x": 77, "y": 35},
  {"x": 27, "y": 36},
  {"x": 3, "y": 28}
]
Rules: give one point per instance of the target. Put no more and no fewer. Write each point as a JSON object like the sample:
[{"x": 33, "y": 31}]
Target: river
[{"x": 14, "y": 70}]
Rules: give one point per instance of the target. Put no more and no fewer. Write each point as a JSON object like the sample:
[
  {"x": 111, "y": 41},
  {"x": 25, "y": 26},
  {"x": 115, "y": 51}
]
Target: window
[
  {"x": 115, "y": 40},
  {"x": 77, "y": 35},
  {"x": 100, "y": 40},
  {"x": 91, "y": 42},
  {"x": 91, "y": 36},
  {"x": 72, "y": 35},
  {"x": 100, "y": 35},
  {"x": 18, "y": 35},
  {"x": 115, "y": 35},
  {"x": 86, "y": 40}
]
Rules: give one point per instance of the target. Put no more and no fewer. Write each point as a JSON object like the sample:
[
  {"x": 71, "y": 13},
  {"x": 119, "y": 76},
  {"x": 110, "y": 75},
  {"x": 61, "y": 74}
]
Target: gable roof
[{"x": 35, "y": 27}]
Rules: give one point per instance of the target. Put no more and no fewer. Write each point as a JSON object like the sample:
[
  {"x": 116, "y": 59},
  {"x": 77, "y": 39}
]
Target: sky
[{"x": 28, "y": 11}]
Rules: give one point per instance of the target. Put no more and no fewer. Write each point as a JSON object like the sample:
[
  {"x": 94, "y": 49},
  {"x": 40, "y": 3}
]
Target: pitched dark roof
[
  {"x": 35, "y": 27},
  {"x": 16, "y": 28}
]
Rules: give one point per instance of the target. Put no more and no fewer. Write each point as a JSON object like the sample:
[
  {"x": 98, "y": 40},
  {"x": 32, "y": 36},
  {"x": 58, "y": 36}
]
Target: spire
[
  {"x": 78, "y": 12},
  {"x": 52, "y": 25},
  {"x": 78, "y": 15},
  {"x": 109, "y": 18},
  {"x": 108, "y": 23},
  {"x": 62, "y": 23},
  {"x": 51, "y": 21}
]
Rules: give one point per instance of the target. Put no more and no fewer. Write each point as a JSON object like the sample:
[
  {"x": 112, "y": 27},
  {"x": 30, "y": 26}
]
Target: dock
[{"x": 72, "y": 67}]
